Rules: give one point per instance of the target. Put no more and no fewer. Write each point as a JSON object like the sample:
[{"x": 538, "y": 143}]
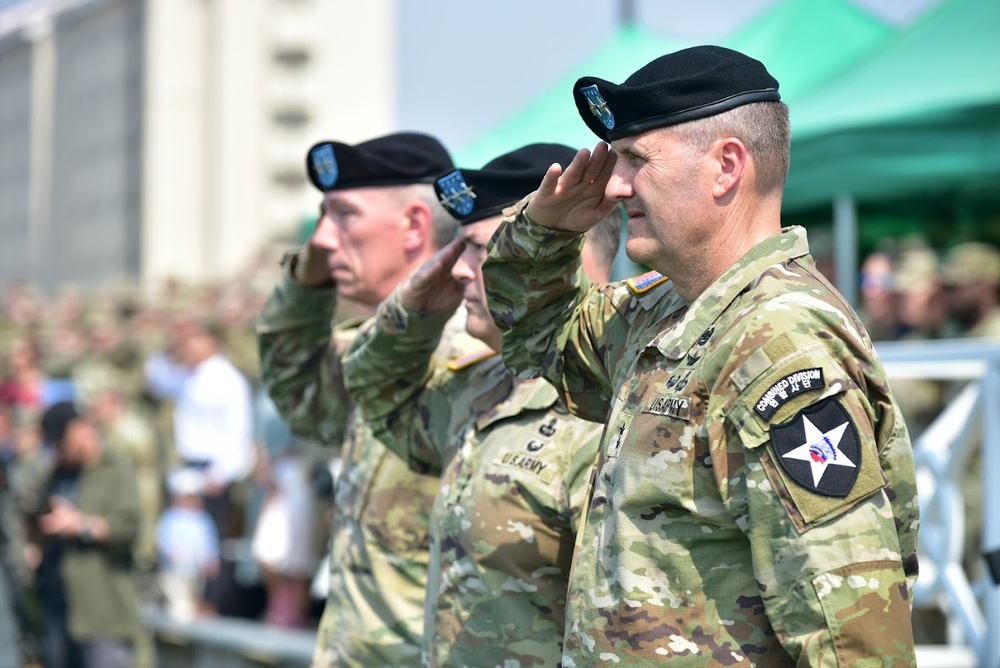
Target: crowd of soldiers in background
[
  {"x": 911, "y": 292},
  {"x": 92, "y": 349}
]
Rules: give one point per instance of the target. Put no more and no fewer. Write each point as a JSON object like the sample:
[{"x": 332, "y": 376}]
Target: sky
[{"x": 465, "y": 65}]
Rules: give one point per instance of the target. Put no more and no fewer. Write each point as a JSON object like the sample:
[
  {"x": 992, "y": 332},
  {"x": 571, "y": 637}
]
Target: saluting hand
[
  {"x": 431, "y": 287},
  {"x": 312, "y": 267},
  {"x": 573, "y": 199}
]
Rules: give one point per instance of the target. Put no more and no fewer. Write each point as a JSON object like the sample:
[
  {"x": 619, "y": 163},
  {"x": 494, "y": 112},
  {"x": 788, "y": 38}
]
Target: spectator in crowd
[
  {"x": 10, "y": 622},
  {"x": 27, "y": 387},
  {"x": 187, "y": 543},
  {"x": 919, "y": 303},
  {"x": 86, "y": 513},
  {"x": 213, "y": 425},
  {"x": 126, "y": 432},
  {"x": 918, "y": 295},
  {"x": 971, "y": 276},
  {"x": 283, "y": 535},
  {"x": 380, "y": 218},
  {"x": 970, "y": 273},
  {"x": 878, "y": 310}
]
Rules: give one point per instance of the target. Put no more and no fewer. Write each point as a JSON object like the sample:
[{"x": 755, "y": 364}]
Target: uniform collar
[{"x": 706, "y": 309}]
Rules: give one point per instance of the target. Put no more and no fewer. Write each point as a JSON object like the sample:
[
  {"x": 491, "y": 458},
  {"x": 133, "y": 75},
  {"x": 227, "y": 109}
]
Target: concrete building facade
[{"x": 147, "y": 139}]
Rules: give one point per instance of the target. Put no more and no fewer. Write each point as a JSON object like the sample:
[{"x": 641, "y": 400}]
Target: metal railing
[{"x": 967, "y": 427}]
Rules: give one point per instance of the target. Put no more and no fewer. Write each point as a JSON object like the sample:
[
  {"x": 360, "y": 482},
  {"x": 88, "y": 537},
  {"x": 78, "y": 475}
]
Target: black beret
[
  {"x": 471, "y": 195},
  {"x": 392, "y": 160},
  {"x": 676, "y": 88},
  {"x": 55, "y": 420}
]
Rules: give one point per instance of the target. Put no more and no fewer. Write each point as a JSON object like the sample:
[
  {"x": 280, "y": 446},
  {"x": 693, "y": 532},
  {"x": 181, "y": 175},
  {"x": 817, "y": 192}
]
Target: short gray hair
[
  {"x": 444, "y": 227},
  {"x": 765, "y": 130}
]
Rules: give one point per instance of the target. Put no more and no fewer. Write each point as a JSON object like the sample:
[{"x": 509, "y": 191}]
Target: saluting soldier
[
  {"x": 755, "y": 499},
  {"x": 380, "y": 218},
  {"x": 514, "y": 465}
]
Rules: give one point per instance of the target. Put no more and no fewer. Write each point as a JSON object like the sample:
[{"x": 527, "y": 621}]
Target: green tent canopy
[
  {"x": 920, "y": 116},
  {"x": 552, "y": 116},
  {"x": 803, "y": 44}
]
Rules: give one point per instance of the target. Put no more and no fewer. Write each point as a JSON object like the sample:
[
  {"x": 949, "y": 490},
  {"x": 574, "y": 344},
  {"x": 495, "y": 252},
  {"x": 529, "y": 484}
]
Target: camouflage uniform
[
  {"x": 709, "y": 539},
  {"x": 379, "y": 545},
  {"x": 515, "y": 472}
]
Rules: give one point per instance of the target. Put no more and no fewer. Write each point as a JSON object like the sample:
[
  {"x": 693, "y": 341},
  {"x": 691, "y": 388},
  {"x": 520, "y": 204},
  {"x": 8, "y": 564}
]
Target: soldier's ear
[
  {"x": 729, "y": 160},
  {"x": 417, "y": 228}
]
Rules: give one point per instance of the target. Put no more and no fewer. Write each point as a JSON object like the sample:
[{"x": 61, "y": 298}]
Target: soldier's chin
[
  {"x": 354, "y": 291},
  {"x": 477, "y": 326},
  {"x": 639, "y": 249}
]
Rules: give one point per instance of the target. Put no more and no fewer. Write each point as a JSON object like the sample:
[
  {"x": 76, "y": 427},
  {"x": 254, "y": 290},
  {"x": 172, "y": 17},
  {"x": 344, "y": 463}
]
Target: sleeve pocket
[{"x": 867, "y": 611}]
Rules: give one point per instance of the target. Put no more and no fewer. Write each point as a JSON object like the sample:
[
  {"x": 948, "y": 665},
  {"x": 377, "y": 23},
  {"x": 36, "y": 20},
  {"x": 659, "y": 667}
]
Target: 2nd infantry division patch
[{"x": 819, "y": 448}]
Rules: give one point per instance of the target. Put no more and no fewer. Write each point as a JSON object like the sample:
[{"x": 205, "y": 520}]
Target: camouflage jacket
[
  {"x": 515, "y": 468},
  {"x": 755, "y": 499},
  {"x": 379, "y": 539}
]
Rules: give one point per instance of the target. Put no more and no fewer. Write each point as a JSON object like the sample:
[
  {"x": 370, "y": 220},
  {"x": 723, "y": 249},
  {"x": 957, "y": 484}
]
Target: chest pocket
[
  {"x": 397, "y": 505},
  {"x": 653, "y": 450},
  {"x": 378, "y": 490}
]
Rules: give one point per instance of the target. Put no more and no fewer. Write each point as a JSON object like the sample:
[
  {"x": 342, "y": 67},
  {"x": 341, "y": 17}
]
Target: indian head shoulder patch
[{"x": 819, "y": 448}]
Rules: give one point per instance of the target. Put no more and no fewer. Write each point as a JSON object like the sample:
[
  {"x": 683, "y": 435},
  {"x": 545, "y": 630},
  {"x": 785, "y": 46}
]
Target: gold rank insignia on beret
[
  {"x": 645, "y": 282},
  {"x": 465, "y": 361}
]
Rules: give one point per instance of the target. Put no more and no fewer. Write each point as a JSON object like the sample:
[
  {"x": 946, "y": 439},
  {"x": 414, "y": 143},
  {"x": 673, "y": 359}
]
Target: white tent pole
[{"x": 845, "y": 247}]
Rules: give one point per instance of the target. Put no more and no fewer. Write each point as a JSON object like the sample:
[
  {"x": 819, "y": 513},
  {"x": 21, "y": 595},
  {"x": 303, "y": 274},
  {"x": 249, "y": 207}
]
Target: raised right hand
[
  {"x": 312, "y": 266},
  {"x": 573, "y": 199},
  {"x": 431, "y": 287}
]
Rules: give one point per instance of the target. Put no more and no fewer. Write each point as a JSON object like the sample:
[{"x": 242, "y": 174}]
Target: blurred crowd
[
  {"x": 230, "y": 512},
  {"x": 146, "y": 408},
  {"x": 912, "y": 292}
]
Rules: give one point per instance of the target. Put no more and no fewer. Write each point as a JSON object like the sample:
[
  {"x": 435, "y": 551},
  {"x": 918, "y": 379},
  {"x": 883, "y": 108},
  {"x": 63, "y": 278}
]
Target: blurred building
[{"x": 143, "y": 139}]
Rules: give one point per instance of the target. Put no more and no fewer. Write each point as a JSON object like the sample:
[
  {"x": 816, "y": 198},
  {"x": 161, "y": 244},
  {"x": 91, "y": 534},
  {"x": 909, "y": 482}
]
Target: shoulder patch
[
  {"x": 645, "y": 282},
  {"x": 819, "y": 448},
  {"x": 787, "y": 387},
  {"x": 465, "y": 361}
]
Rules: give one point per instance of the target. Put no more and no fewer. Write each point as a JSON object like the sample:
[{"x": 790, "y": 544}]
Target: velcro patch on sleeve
[
  {"x": 824, "y": 459},
  {"x": 786, "y": 388},
  {"x": 819, "y": 448}
]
